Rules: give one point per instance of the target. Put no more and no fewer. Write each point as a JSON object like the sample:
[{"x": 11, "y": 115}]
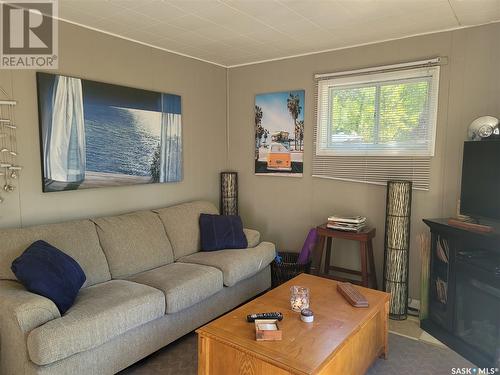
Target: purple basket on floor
[{"x": 288, "y": 268}]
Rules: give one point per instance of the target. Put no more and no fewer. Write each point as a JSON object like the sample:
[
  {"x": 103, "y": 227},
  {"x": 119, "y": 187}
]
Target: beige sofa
[{"x": 147, "y": 285}]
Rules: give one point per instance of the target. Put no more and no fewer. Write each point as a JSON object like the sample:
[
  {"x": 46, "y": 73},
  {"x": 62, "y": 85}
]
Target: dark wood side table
[{"x": 364, "y": 238}]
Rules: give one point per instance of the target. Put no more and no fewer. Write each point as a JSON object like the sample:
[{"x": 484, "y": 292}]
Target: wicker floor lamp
[
  {"x": 397, "y": 246},
  {"x": 229, "y": 193}
]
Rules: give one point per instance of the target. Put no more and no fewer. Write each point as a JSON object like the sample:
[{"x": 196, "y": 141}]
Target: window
[
  {"x": 377, "y": 124},
  {"x": 378, "y": 114}
]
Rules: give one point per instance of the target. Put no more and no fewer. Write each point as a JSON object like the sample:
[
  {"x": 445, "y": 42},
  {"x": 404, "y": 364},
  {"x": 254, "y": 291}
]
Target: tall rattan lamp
[
  {"x": 229, "y": 193},
  {"x": 397, "y": 246}
]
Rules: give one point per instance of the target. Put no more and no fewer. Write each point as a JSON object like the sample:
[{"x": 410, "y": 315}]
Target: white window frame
[{"x": 432, "y": 72}]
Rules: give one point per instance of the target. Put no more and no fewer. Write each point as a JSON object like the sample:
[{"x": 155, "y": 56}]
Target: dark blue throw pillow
[
  {"x": 220, "y": 232},
  {"x": 47, "y": 271}
]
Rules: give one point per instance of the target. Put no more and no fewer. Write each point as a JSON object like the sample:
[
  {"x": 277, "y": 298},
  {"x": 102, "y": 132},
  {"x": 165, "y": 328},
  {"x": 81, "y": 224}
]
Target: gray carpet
[{"x": 406, "y": 357}]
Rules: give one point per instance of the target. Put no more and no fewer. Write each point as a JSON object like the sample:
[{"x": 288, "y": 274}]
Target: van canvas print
[
  {"x": 96, "y": 134},
  {"x": 279, "y": 133}
]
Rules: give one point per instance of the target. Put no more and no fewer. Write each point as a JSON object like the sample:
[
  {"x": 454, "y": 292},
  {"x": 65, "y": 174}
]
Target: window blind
[{"x": 376, "y": 126}]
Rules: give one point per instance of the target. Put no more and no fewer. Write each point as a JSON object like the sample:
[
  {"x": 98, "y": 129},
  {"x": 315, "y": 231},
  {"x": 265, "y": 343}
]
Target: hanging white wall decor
[{"x": 9, "y": 169}]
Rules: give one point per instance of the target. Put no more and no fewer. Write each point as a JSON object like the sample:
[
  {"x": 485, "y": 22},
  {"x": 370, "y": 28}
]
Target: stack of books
[{"x": 347, "y": 223}]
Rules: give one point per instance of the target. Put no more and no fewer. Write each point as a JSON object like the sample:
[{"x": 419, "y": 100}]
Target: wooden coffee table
[{"x": 342, "y": 339}]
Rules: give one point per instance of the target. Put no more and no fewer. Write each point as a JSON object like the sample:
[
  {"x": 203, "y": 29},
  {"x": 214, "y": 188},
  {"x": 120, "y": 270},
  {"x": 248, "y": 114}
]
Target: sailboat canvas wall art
[{"x": 96, "y": 134}]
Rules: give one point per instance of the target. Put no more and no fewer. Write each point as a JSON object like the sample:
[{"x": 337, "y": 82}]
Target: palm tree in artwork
[
  {"x": 258, "y": 115},
  {"x": 293, "y": 105},
  {"x": 259, "y": 130},
  {"x": 300, "y": 131},
  {"x": 266, "y": 134}
]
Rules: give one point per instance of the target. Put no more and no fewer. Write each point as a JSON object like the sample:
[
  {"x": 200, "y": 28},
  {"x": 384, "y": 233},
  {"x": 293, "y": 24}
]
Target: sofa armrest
[
  {"x": 20, "y": 312},
  {"x": 253, "y": 237},
  {"x": 25, "y": 309}
]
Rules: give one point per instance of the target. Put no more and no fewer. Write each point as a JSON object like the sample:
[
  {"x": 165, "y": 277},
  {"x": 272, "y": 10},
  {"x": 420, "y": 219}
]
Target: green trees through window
[{"x": 379, "y": 113}]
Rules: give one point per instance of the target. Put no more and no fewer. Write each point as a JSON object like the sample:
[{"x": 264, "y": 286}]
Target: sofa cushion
[
  {"x": 100, "y": 313},
  {"x": 235, "y": 264},
  {"x": 47, "y": 271},
  {"x": 253, "y": 237},
  {"x": 182, "y": 225},
  {"x": 78, "y": 239},
  {"x": 134, "y": 243},
  {"x": 183, "y": 284}
]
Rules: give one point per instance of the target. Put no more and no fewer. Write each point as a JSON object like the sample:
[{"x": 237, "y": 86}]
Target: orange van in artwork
[{"x": 279, "y": 158}]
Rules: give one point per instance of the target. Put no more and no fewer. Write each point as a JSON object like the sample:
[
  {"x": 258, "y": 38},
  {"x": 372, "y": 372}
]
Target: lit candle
[{"x": 299, "y": 298}]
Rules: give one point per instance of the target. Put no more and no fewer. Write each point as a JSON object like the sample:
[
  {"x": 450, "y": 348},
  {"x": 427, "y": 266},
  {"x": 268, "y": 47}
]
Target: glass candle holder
[{"x": 299, "y": 298}]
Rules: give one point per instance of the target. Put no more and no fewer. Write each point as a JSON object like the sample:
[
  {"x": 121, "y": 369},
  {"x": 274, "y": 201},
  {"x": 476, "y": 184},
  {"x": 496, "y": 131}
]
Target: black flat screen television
[{"x": 480, "y": 196}]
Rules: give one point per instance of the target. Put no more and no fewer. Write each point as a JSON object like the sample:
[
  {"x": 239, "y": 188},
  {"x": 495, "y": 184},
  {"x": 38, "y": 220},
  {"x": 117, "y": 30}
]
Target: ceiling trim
[
  {"x": 277, "y": 58},
  {"x": 454, "y": 13}
]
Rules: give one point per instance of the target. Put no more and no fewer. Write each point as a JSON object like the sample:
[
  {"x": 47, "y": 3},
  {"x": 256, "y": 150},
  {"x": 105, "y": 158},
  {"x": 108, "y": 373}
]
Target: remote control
[{"x": 269, "y": 315}]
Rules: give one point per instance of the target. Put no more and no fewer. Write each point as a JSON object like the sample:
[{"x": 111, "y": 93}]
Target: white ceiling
[{"x": 235, "y": 32}]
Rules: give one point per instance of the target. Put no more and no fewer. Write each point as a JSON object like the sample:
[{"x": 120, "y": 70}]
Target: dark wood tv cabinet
[{"x": 464, "y": 292}]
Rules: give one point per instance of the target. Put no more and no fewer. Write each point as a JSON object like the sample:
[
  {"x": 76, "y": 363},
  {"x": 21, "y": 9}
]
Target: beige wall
[
  {"x": 284, "y": 208},
  {"x": 92, "y": 55}
]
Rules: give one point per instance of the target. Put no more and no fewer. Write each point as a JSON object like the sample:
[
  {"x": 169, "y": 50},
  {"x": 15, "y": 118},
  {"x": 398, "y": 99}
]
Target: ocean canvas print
[
  {"x": 279, "y": 133},
  {"x": 96, "y": 134}
]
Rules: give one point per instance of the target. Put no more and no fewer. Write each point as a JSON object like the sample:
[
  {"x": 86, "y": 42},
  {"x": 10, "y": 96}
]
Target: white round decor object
[
  {"x": 307, "y": 316},
  {"x": 482, "y": 127}
]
